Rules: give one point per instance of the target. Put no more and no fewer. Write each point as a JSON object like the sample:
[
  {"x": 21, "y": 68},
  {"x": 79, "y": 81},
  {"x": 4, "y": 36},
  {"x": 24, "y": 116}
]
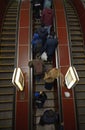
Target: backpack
[
  {"x": 47, "y": 17},
  {"x": 40, "y": 98},
  {"x": 49, "y": 117},
  {"x": 38, "y": 66},
  {"x": 49, "y": 86},
  {"x": 44, "y": 56}
]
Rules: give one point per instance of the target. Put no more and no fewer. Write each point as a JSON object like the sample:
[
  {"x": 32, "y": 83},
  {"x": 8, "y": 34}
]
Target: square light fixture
[
  {"x": 18, "y": 79},
  {"x": 71, "y": 77}
]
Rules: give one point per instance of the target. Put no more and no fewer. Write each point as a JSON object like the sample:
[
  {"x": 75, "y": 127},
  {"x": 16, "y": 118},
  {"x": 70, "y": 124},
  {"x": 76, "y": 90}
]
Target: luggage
[
  {"x": 49, "y": 86},
  {"x": 40, "y": 98},
  {"x": 47, "y": 16},
  {"x": 49, "y": 117},
  {"x": 44, "y": 56},
  {"x": 38, "y": 66}
]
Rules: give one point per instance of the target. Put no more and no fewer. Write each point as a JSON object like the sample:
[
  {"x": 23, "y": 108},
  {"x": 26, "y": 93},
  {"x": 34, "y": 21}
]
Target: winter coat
[
  {"x": 49, "y": 47},
  {"x": 42, "y": 32},
  {"x": 47, "y": 16},
  {"x": 36, "y": 43},
  {"x": 35, "y": 38},
  {"x": 40, "y": 98},
  {"x": 49, "y": 117},
  {"x": 38, "y": 66},
  {"x": 51, "y": 75}
]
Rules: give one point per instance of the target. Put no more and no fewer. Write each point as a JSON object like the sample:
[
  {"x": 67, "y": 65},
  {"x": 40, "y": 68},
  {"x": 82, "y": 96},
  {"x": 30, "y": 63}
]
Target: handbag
[{"x": 44, "y": 56}]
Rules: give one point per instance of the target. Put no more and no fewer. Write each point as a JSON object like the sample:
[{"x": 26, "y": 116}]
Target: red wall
[
  {"x": 3, "y": 5},
  {"x": 22, "y": 101},
  {"x": 81, "y": 12},
  {"x": 68, "y": 108}
]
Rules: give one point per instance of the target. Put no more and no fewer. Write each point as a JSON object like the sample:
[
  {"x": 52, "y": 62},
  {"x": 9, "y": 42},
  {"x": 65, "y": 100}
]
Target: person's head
[{"x": 35, "y": 36}]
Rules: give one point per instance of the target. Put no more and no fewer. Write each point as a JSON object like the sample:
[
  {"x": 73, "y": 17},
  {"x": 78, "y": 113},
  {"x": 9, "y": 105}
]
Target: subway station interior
[{"x": 18, "y": 23}]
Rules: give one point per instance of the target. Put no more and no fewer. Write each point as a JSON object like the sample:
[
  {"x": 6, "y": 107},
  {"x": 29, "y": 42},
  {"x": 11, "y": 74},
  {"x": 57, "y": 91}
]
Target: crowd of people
[{"x": 44, "y": 41}]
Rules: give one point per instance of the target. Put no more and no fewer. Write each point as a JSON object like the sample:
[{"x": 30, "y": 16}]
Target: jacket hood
[{"x": 36, "y": 36}]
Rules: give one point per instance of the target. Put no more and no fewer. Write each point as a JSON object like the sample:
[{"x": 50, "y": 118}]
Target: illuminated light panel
[
  {"x": 18, "y": 79},
  {"x": 71, "y": 77}
]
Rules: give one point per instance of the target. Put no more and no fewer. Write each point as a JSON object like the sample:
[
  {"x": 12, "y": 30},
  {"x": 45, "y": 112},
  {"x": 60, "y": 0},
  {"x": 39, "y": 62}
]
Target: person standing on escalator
[
  {"x": 47, "y": 4},
  {"x": 37, "y": 7},
  {"x": 50, "y": 46},
  {"x": 47, "y": 18}
]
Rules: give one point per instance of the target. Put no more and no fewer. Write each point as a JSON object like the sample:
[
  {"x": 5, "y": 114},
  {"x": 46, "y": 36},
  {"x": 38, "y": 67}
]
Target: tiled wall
[
  {"x": 64, "y": 62},
  {"x": 22, "y": 100}
]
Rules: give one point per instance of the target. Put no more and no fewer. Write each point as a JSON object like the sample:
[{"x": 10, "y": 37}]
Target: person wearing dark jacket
[
  {"x": 40, "y": 98},
  {"x": 49, "y": 47},
  {"x": 37, "y": 6},
  {"x": 42, "y": 32},
  {"x": 36, "y": 44}
]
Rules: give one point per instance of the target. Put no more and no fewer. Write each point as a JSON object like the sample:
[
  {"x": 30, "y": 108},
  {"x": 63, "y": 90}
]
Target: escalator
[
  {"x": 77, "y": 52},
  {"x": 7, "y": 63},
  {"x": 52, "y": 95}
]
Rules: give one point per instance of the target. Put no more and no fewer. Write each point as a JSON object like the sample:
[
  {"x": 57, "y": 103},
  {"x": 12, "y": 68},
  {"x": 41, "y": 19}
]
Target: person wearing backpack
[
  {"x": 50, "y": 46},
  {"x": 37, "y": 6},
  {"x": 38, "y": 68},
  {"x": 40, "y": 98},
  {"x": 49, "y": 117}
]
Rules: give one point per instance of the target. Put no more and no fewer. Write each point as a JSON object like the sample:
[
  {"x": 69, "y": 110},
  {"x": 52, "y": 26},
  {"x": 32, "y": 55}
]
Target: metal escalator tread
[
  {"x": 7, "y": 62},
  {"x": 6, "y": 33},
  {"x": 78, "y": 60}
]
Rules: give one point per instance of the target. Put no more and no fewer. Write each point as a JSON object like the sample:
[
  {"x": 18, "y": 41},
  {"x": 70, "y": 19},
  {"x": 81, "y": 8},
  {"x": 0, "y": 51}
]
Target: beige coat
[{"x": 53, "y": 74}]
